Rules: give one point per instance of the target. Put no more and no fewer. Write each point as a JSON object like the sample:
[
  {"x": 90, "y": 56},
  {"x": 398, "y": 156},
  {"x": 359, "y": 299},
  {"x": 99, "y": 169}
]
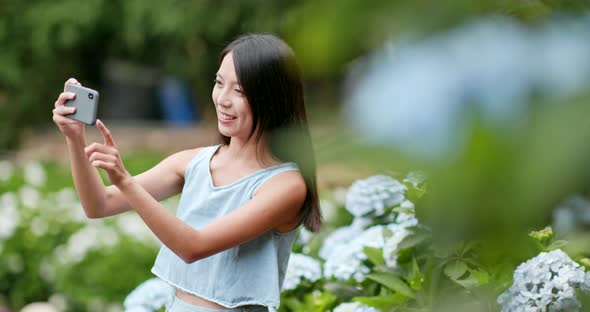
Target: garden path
[{"x": 48, "y": 144}]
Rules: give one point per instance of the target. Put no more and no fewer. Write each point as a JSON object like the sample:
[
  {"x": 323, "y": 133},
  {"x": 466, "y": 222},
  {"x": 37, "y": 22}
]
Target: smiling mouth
[{"x": 226, "y": 116}]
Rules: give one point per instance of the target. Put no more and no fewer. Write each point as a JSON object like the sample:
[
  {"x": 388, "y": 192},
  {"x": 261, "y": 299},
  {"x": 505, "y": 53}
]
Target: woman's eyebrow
[{"x": 221, "y": 77}]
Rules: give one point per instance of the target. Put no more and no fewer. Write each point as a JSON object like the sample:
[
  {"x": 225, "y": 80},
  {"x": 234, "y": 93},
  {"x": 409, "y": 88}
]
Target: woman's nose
[{"x": 223, "y": 99}]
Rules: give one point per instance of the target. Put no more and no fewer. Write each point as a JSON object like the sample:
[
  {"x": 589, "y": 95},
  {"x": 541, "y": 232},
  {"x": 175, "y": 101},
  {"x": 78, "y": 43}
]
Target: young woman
[{"x": 242, "y": 201}]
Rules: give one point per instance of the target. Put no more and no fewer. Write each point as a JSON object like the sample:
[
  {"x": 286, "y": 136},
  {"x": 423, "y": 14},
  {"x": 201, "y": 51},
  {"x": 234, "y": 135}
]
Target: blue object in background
[{"x": 176, "y": 102}]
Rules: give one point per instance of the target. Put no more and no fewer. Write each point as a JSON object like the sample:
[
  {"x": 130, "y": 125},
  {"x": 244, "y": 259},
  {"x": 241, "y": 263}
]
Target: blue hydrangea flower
[
  {"x": 346, "y": 261},
  {"x": 419, "y": 96},
  {"x": 371, "y": 196},
  {"x": 149, "y": 296},
  {"x": 546, "y": 282},
  {"x": 572, "y": 214},
  {"x": 354, "y": 307},
  {"x": 300, "y": 268},
  {"x": 391, "y": 244}
]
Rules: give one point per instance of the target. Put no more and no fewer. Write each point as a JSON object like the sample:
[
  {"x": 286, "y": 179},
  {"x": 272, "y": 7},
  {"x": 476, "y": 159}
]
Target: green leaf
[
  {"x": 476, "y": 278},
  {"x": 467, "y": 247},
  {"x": 417, "y": 237},
  {"x": 455, "y": 269},
  {"x": 557, "y": 245},
  {"x": 415, "y": 193},
  {"x": 404, "y": 255},
  {"x": 387, "y": 233},
  {"x": 585, "y": 262},
  {"x": 404, "y": 210},
  {"x": 382, "y": 303},
  {"x": 415, "y": 279},
  {"x": 292, "y": 303},
  {"x": 392, "y": 282},
  {"x": 342, "y": 291},
  {"x": 468, "y": 282},
  {"x": 375, "y": 255},
  {"x": 317, "y": 301},
  {"x": 481, "y": 276}
]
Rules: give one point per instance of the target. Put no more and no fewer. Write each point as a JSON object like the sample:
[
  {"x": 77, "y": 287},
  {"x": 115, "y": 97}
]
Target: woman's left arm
[{"x": 276, "y": 202}]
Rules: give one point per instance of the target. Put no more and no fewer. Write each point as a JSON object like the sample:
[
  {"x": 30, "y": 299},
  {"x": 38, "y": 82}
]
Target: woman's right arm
[{"x": 162, "y": 181}]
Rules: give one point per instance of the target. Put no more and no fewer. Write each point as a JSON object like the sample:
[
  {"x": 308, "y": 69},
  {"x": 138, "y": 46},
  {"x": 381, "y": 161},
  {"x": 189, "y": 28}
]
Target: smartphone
[{"x": 85, "y": 102}]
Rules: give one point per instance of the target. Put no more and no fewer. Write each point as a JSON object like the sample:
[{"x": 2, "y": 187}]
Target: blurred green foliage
[
  {"x": 46, "y": 216},
  {"x": 45, "y": 42}
]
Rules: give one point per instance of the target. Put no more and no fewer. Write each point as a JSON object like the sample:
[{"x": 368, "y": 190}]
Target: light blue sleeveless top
[{"x": 248, "y": 274}]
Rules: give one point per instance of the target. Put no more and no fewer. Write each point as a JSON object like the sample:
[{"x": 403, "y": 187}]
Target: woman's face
[{"x": 234, "y": 117}]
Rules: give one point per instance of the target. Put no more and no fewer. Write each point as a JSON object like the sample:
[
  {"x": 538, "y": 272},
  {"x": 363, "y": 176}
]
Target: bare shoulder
[
  {"x": 180, "y": 160},
  {"x": 285, "y": 192},
  {"x": 289, "y": 183}
]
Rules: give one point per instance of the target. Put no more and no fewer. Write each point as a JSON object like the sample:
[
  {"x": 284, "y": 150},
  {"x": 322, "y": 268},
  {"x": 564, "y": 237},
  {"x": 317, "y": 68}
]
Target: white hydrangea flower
[
  {"x": 361, "y": 223},
  {"x": 406, "y": 219},
  {"x": 586, "y": 285},
  {"x": 337, "y": 238},
  {"x": 35, "y": 174},
  {"x": 47, "y": 271},
  {"x": 77, "y": 213},
  {"x": 546, "y": 282},
  {"x": 6, "y": 170},
  {"x": 406, "y": 204},
  {"x": 301, "y": 267},
  {"x": 66, "y": 198},
  {"x": 304, "y": 236},
  {"x": 39, "y": 226},
  {"x": 66, "y": 201},
  {"x": 373, "y": 195},
  {"x": 354, "y": 307},
  {"x": 150, "y": 296},
  {"x": 133, "y": 226},
  {"x": 91, "y": 237},
  {"x": 390, "y": 249},
  {"x": 29, "y": 196},
  {"x": 346, "y": 261},
  {"x": 9, "y": 215},
  {"x": 343, "y": 249},
  {"x": 39, "y": 307},
  {"x": 59, "y": 301}
]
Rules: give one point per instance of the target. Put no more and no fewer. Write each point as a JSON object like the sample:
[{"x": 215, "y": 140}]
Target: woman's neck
[{"x": 249, "y": 151}]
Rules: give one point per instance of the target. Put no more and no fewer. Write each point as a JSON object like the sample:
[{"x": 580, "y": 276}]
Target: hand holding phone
[{"x": 85, "y": 102}]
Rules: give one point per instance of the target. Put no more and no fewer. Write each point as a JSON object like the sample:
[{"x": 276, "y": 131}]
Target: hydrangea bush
[
  {"x": 383, "y": 259},
  {"x": 547, "y": 282},
  {"x": 50, "y": 251},
  {"x": 373, "y": 254}
]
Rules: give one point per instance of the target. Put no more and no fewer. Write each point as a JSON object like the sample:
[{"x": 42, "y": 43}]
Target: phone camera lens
[{"x": 90, "y": 96}]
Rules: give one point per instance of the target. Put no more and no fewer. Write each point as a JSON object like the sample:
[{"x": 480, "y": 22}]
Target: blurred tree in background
[{"x": 45, "y": 42}]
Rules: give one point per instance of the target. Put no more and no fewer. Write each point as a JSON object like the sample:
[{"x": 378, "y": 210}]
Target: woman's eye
[
  {"x": 238, "y": 91},
  {"x": 216, "y": 81}
]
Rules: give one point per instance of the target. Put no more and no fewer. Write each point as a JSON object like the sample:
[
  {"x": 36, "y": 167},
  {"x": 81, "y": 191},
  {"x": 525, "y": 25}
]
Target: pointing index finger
[{"x": 106, "y": 134}]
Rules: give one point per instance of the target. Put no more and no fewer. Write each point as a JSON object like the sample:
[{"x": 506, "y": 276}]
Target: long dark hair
[{"x": 271, "y": 82}]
